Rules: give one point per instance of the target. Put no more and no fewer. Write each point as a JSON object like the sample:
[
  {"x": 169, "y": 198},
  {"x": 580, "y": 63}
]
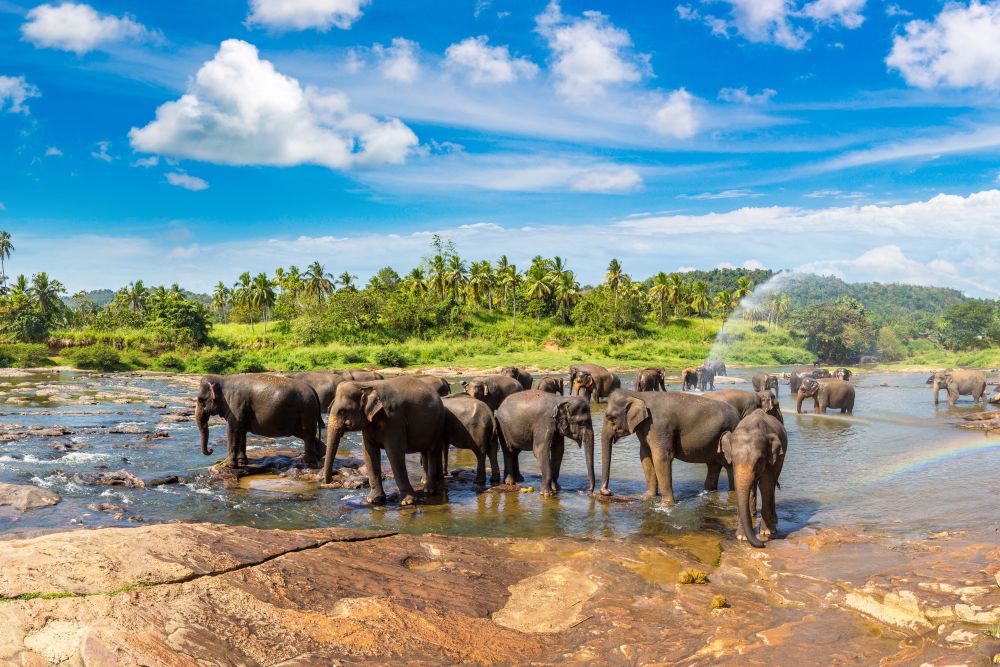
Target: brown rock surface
[{"x": 26, "y": 497}]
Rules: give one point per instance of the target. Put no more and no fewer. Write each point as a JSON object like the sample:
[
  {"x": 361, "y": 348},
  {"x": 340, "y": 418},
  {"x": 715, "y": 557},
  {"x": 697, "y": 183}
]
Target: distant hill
[{"x": 725, "y": 279}]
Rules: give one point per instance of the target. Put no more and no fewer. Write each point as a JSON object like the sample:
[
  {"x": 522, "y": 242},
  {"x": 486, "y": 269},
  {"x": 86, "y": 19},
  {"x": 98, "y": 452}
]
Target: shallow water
[{"x": 899, "y": 466}]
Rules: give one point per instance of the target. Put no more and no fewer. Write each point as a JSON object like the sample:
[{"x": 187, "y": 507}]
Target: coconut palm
[
  {"x": 512, "y": 281},
  {"x": 744, "y": 287},
  {"x": 456, "y": 275},
  {"x": 479, "y": 285},
  {"x": 260, "y": 296},
  {"x": 279, "y": 279},
  {"x": 613, "y": 277},
  {"x": 346, "y": 281},
  {"x": 503, "y": 268},
  {"x": 438, "y": 275},
  {"x": 537, "y": 285},
  {"x": 221, "y": 299},
  {"x": 699, "y": 302},
  {"x": 241, "y": 296},
  {"x": 566, "y": 293},
  {"x": 723, "y": 302},
  {"x": 317, "y": 283},
  {"x": 659, "y": 295},
  {"x": 293, "y": 284},
  {"x": 6, "y": 248},
  {"x": 20, "y": 287},
  {"x": 675, "y": 292},
  {"x": 46, "y": 292},
  {"x": 415, "y": 282},
  {"x": 136, "y": 295}
]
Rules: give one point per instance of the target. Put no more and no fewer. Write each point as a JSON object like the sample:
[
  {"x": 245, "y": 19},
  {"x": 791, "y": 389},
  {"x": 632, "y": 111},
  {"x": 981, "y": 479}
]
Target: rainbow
[{"x": 941, "y": 455}]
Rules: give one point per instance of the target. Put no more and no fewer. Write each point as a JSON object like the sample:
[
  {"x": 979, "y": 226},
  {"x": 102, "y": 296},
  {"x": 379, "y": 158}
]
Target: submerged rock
[
  {"x": 25, "y": 497},
  {"x": 117, "y": 478}
]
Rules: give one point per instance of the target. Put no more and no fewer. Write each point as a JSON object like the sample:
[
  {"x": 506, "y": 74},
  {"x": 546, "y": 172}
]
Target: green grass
[{"x": 38, "y": 596}]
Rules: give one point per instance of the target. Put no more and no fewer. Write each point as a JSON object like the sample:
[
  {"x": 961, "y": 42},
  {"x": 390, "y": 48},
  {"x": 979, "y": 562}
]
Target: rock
[
  {"x": 38, "y": 431},
  {"x": 355, "y": 482},
  {"x": 157, "y": 405},
  {"x": 69, "y": 446},
  {"x": 547, "y": 602},
  {"x": 104, "y": 507},
  {"x": 25, "y": 497},
  {"x": 117, "y": 478},
  {"x": 129, "y": 429},
  {"x": 158, "y": 435},
  {"x": 167, "y": 479}
]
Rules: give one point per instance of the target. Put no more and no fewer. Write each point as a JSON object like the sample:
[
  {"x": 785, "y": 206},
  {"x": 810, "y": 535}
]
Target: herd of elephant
[{"x": 740, "y": 431}]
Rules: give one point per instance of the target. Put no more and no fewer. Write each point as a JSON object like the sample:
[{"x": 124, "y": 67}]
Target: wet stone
[
  {"x": 116, "y": 478},
  {"x": 26, "y": 497}
]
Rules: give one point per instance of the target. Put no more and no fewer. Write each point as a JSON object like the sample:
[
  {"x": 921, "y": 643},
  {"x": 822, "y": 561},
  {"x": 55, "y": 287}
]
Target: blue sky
[{"x": 190, "y": 141}]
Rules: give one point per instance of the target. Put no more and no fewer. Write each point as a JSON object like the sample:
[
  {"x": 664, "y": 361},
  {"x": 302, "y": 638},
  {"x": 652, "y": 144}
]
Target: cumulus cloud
[
  {"x": 743, "y": 96},
  {"x": 399, "y": 60},
  {"x": 483, "y": 63},
  {"x": 147, "y": 162},
  {"x": 781, "y": 22},
  {"x": 589, "y": 53},
  {"x": 14, "y": 92},
  {"x": 305, "y": 14},
  {"x": 186, "y": 181},
  {"x": 959, "y": 49},
  {"x": 240, "y": 110},
  {"x": 676, "y": 117},
  {"x": 846, "y": 13},
  {"x": 52, "y": 151},
  {"x": 79, "y": 28}
]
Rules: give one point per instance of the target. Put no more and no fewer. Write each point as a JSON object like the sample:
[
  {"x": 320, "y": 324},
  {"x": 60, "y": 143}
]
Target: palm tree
[
  {"x": 512, "y": 280},
  {"x": 260, "y": 296},
  {"x": 241, "y": 295},
  {"x": 415, "y": 282},
  {"x": 537, "y": 286},
  {"x": 6, "y": 247},
  {"x": 659, "y": 295},
  {"x": 503, "y": 268},
  {"x": 779, "y": 302},
  {"x": 439, "y": 274},
  {"x": 221, "y": 299},
  {"x": 318, "y": 284},
  {"x": 346, "y": 281},
  {"x": 46, "y": 292},
  {"x": 699, "y": 303},
  {"x": 743, "y": 289},
  {"x": 675, "y": 292},
  {"x": 20, "y": 287},
  {"x": 293, "y": 284},
  {"x": 566, "y": 292},
  {"x": 723, "y": 302},
  {"x": 136, "y": 296},
  {"x": 480, "y": 275},
  {"x": 279, "y": 279},
  {"x": 614, "y": 276},
  {"x": 456, "y": 275},
  {"x": 557, "y": 266}
]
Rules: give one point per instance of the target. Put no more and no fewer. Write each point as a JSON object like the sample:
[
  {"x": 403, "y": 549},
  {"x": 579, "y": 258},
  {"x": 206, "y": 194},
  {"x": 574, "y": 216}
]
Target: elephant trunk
[
  {"x": 937, "y": 388},
  {"x": 588, "y": 454},
  {"x": 607, "y": 439},
  {"x": 201, "y": 418},
  {"x": 334, "y": 432},
  {"x": 744, "y": 487},
  {"x": 798, "y": 403}
]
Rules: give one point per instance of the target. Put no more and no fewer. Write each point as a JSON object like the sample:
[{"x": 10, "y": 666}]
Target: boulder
[{"x": 26, "y": 497}]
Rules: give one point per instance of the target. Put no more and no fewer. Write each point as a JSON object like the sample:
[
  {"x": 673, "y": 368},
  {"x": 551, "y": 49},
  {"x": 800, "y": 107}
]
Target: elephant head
[
  {"x": 843, "y": 374},
  {"x": 940, "y": 380},
  {"x": 572, "y": 418},
  {"x": 585, "y": 381},
  {"x": 624, "y": 415},
  {"x": 821, "y": 373},
  {"x": 808, "y": 389},
  {"x": 476, "y": 389},
  {"x": 209, "y": 402},
  {"x": 354, "y": 407},
  {"x": 769, "y": 404},
  {"x": 509, "y": 371},
  {"x": 749, "y": 450}
]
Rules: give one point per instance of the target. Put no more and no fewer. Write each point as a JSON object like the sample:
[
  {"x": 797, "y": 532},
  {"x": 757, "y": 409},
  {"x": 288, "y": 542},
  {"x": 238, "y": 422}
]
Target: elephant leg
[
  {"x": 241, "y": 458},
  {"x": 494, "y": 466},
  {"x": 396, "y": 453},
  {"x": 310, "y": 450},
  {"x": 435, "y": 477},
  {"x": 729, "y": 477},
  {"x": 543, "y": 453},
  {"x": 558, "y": 448},
  {"x": 516, "y": 465},
  {"x": 768, "y": 511},
  {"x": 232, "y": 438},
  {"x": 646, "y": 456},
  {"x": 663, "y": 462},
  {"x": 712, "y": 478},
  {"x": 373, "y": 461},
  {"x": 480, "y": 467}
]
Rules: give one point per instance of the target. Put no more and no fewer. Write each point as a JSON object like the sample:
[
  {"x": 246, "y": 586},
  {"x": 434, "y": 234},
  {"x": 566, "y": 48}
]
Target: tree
[
  {"x": 385, "y": 280},
  {"x": 456, "y": 275},
  {"x": 241, "y": 296},
  {"x": 566, "y": 292},
  {"x": 970, "y": 324},
  {"x": 346, "y": 281},
  {"x": 46, "y": 292},
  {"x": 836, "y": 331},
  {"x": 659, "y": 295},
  {"x": 537, "y": 287},
  {"x": 723, "y": 303},
  {"x": 699, "y": 302},
  {"x": 318, "y": 284},
  {"x": 221, "y": 300},
  {"x": 261, "y": 296},
  {"x": 512, "y": 281},
  {"x": 20, "y": 286},
  {"x": 136, "y": 295},
  {"x": 675, "y": 293},
  {"x": 744, "y": 287},
  {"x": 415, "y": 282},
  {"x": 6, "y": 248},
  {"x": 480, "y": 285},
  {"x": 613, "y": 276}
]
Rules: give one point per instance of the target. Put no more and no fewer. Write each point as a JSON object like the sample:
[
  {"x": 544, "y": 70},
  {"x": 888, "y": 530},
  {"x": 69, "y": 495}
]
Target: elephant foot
[
  {"x": 376, "y": 499},
  {"x": 408, "y": 500},
  {"x": 520, "y": 478},
  {"x": 495, "y": 480},
  {"x": 312, "y": 463},
  {"x": 243, "y": 461},
  {"x": 649, "y": 495},
  {"x": 232, "y": 464},
  {"x": 547, "y": 493},
  {"x": 480, "y": 482},
  {"x": 605, "y": 491},
  {"x": 764, "y": 533},
  {"x": 667, "y": 502},
  {"x": 509, "y": 480}
]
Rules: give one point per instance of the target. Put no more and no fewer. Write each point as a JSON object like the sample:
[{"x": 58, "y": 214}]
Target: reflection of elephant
[
  {"x": 470, "y": 425},
  {"x": 844, "y": 374},
  {"x": 492, "y": 389},
  {"x": 827, "y": 394},
  {"x": 689, "y": 379},
  {"x": 706, "y": 379},
  {"x": 669, "y": 425},
  {"x": 756, "y": 450},
  {"x": 745, "y": 402},
  {"x": 595, "y": 382},
  {"x": 440, "y": 385},
  {"x": 716, "y": 365},
  {"x": 552, "y": 385},
  {"x": 538, "y": 421},
  {"x": 764, "y": 382},
  {"x": 958, "y": 383},
  {"x": 261, "y": 404},
  {"x": 651, "y": 379},
  {"x": 519, "y": 374},
  {"x": 401, "y": 415},
  {"x": 324, "y": 383}
]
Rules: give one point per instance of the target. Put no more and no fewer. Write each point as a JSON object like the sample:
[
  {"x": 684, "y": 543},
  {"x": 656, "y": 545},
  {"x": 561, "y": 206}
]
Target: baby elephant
[
  {"x": 552, "y": 385},
  {"x": 651, "y": 379}
]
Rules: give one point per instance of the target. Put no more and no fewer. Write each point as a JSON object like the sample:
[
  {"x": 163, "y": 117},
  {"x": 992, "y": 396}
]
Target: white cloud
[
  {"x": 399, "y": 60},
  {"x": 52, "y": 151},
  {"x": 725, "y": 194},
  {"x": 753, "y": 265},
  {"x": 589, "y": 53},
  {"x": 676, "y": 117},
  {"x": 742, "y": 96},
  {"x": 615, "y": 179},
  {"x": 79, "y": 28},
  {"x": 186, "y": 181},
  {"x": 959, "y": 49},
  {"x": 305, "y": 14},
  {"x": 847, "y": 13},
  {"x": 240, "y": 110},
  {"x": 834, "y": 194},
  {"x": 147, "y": 162},
  {"x": 780, "y": 22},
  {"x": 483, "y": 63},
  {"x": 896, "y": 10},
  {"x": 14, "y": 92},
  {"x": 102, "y": 152},
  {"x": 978, "y": 140}
]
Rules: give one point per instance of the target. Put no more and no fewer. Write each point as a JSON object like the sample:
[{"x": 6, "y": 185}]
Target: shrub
[
  {"x": 250, "y": 365},
  {"x": 170, "y": 362},
  {"x": 388, "y": 357},
  {"x": 23, "y": 355},
  {"x": 96, "y": 357},
  {"x": 352, "y": 357},
  {"x": 692, "y": 576},
  {"x": 219, "y": 362}
]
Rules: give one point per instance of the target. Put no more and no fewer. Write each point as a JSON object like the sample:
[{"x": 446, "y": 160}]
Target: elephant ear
[
  {"x": 777, "y": 448},
  {"x": 561, "y": 416},
  {"x": 215, "y": 390},
  {"x": 635, "y": 414},
  {"x": 726, "y": 446},
  {"x": 371, "y": 403}
]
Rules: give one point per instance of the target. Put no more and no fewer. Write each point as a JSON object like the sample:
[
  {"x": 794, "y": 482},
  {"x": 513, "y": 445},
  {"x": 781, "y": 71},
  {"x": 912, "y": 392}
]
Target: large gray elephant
[
  {"x": 958, "y": 383},
  {"x": 765, "y": 382},
  {"x": 756, "y": 451},
  {"x": 593, "y": 381},
  {"x": 262, "y": 404},
  {"x": 669, "y": 425},
  {"x": 716, "y": 365},
  {"x": 325, "y": 383},
  {"x": 706, "y": 379},
  {"x": 826, "y": 394},
  {"x": 651, "y": 379},
  {"x": 438, "y": 384},
  {"x": 800, "y": 374},
  {"x": 402, "y": 415},
  {"x": 538, "y": 421},
  {"x": 745, "y": 402},
  {"x": 470, "y": 425},
  {"x": 552, "y": 385},
  {"x": 492, "y": 389},
  {"x": 519, "y": 374}
]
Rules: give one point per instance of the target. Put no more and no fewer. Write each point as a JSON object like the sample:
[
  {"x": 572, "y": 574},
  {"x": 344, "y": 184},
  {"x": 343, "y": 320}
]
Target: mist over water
[{"x": 756, "y": 299}]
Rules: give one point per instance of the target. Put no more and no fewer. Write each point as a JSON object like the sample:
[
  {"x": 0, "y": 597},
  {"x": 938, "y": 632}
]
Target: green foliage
[
  {"x": 23, "y": 355},
  {"x": 169, "y": 362},
  {"x": 836, "y": 331},
  {"x": 970, "y": 325},
  {"x": 96, "y": 357},
  {"x": 250, "y": 364},
  {"x": 389, "y": 357},
  {"x": 888, "y": 346},
  {"x": 604, "y": 310},
  {"x": 21, "y": 321},
  {"x": 217, "y": 362}
]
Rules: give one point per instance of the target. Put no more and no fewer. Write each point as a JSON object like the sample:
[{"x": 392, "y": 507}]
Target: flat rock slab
[{"x": 26, "y": 497}]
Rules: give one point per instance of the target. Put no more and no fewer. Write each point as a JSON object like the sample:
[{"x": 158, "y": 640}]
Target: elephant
[
  {"x": 821, "y": 374},
  {"x": 651, "y": 379},
  {"x": 492, "y": 389},
  {"x": 261, "y": 404},
  {"x": 764, "y": 382},
  {"x": 706, "y": 379},
  {"x": 519, "y": 374},
  {"x": 844, "y": 374},
  {"x": 716, "y": 365},
  {"x": 833, "y": 394},
  {"x": 800, "y": 374},
  {"x": 689, "y": 379},
  {"x": 756, "y": 451},
  {"x": 669, "y": 425},
  {"x": 325, "y": 383},
  {"x": 537, "y": 421},
  {"x": 745, "y": 402},
  {"x": 595, "y": 382},
  {"x": 402, "y": 415},
  {"x": 958, "y": 383},
  {"x": 867, "y": 359},
  {"x": 362, "y": 376},
  {"x": 440, "y": 385},
  {"x": 470, "y": 425},
  {"x": 552, "y": 385}
]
